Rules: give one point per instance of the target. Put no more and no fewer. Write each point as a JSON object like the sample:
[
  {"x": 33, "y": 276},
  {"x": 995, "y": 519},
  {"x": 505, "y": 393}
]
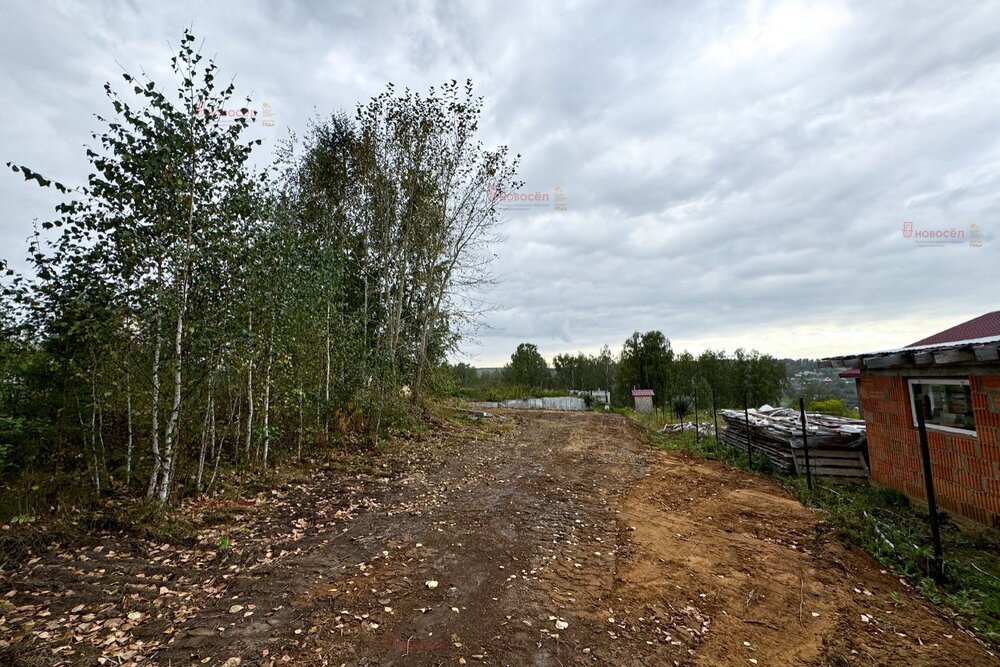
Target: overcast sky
[{"x": 735, "y": 175}]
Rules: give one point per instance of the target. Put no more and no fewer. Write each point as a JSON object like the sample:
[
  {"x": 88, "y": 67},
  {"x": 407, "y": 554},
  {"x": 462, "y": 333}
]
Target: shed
[
  {"x": 953, "y": 377},
  {"x": 643, "y": 399}
]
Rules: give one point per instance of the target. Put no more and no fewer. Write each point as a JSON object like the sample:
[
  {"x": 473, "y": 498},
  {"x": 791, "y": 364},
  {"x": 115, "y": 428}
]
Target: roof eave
[{"x": 973, "y": 351}]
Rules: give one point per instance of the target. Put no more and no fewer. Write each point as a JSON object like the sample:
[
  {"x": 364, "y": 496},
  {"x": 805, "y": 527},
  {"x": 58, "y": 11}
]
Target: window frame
[{"x": 938, "y": 427}]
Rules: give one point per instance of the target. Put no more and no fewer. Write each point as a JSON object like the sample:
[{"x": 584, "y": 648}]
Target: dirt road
[{"x": 539, "y": 539}]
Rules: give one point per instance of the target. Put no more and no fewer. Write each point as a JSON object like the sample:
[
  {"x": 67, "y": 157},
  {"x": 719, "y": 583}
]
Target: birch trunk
[
  {"x": 204, "y": 440},
  {"x": 88, "y": 443},
  {"x": 104, "y": 450},
  {"x": 267, "y": 395},
  {"x": 302, "y": 420},
  {"x": 93, "y": 434},
  {"x": 326, "y": 391},
  {"x": 218, "y": 444},
  {"x": 249, "y": 441},
  {"x": 128, "y": 422},
  {"x": 171, "y": 436},
  {"x": 157, "y": 350}
]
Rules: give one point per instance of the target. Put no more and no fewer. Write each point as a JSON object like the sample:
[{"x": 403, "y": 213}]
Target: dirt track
[{"x": 554, "y": 539}]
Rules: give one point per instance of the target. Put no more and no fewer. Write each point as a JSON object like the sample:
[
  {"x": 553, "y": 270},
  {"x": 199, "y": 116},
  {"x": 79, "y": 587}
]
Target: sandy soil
[{"x": 539, "y": 539}]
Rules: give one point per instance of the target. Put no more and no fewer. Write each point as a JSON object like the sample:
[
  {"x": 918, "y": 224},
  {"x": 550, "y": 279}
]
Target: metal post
[
  {"x": 667, "y": 408},
  {"x": 715, "y": 416},
  {"x": 925, "y": 455},
  {"x": 696, "y": 434},
  {"x": 805, "y": 443},
  {"x": 746, "y": 417}
]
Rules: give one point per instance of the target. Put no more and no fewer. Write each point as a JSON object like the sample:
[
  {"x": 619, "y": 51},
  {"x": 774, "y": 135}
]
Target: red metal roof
[
  {"x": 642, "y": 392},
  {"x": 983, "y": 326}
]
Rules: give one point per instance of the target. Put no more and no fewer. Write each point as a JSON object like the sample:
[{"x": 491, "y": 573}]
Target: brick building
[
  {"x": 643, "y": 399},
  {"x": 954, "y": 378}
]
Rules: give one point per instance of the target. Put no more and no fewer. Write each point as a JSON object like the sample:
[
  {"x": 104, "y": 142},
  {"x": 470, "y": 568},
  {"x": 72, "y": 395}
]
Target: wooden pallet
[
  {"x": 832, "y": 462},
  {"x": 779, "y": 456},
  {"x": 836, "y": 444}
]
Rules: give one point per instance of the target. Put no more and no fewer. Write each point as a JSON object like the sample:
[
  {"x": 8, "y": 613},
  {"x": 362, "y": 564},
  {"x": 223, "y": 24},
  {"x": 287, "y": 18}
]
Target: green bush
[
  {"x": 830, "y": 406},
  {"x": 680, "y": 405},
  {"x": 506, "y": 392},
  {"x": 4, "y": 456}
]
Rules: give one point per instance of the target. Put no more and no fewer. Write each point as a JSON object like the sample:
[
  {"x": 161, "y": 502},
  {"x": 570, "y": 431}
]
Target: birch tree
[
  {"x": 156, "y": 217},
  {"x": 196, "y": 316}
]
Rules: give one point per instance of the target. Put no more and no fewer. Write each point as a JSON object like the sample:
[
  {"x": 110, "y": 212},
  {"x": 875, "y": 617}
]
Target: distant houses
[
  {"x": 643, "y": 399},
  {"x": 953, "y": 379}
]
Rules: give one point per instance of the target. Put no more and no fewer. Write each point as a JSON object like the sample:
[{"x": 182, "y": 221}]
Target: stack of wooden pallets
[{"x": 837, "y": 445}]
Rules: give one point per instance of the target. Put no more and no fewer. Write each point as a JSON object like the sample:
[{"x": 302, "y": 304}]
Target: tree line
[
  {"x": 184, "y": 311},
  {"x": 646, "y": 361}
]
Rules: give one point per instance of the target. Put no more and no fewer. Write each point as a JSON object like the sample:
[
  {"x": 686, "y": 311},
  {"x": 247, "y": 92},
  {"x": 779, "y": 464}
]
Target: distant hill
[{"x": 807, "y": 379}]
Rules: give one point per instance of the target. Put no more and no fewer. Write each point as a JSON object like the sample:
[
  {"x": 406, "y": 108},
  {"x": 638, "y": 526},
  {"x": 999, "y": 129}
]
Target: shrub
[
  {"x": 680, "y": 405},
  {"x": 830, "y": 406}
]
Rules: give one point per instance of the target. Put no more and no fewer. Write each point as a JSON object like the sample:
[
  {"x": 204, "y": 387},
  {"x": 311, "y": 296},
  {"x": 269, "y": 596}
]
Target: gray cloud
[{"x": 735, "y": 174}]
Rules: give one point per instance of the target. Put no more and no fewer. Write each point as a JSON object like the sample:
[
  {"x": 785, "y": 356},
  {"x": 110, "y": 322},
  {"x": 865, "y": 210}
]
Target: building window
[{"x": 947, "y": 404}]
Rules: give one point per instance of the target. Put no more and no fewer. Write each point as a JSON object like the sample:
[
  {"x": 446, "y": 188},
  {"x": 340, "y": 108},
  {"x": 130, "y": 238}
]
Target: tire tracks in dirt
[{"x": 551, "y": 538}]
